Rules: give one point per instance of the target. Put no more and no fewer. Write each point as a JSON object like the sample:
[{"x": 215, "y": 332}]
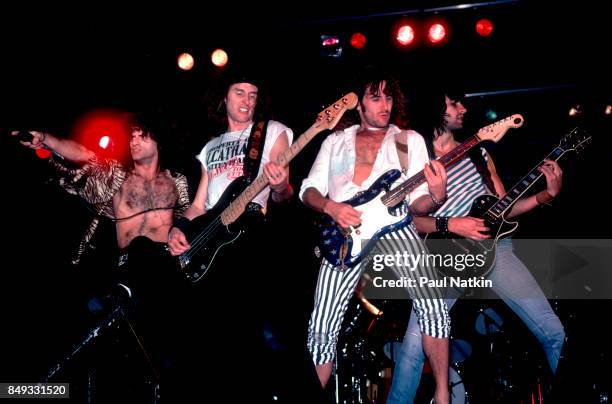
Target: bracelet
[
  {"x": 283, "y": 196},
  {"x": 283, "y": 190},
  {"x": 183, "y": 224},
  {"x": 442, "y": 224},
  {"x": 41, "y": 140},
  {"x": 544, "y": 197},
  {"x": 438, "y": 203}
]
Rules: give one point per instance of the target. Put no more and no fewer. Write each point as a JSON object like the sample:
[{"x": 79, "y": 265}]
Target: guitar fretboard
[
  {"x": 523, "y": 185},
  {"x": 326, "y": 119},
  {"x": 237, "y": 207},
  {"x": 398, "y": 194}
]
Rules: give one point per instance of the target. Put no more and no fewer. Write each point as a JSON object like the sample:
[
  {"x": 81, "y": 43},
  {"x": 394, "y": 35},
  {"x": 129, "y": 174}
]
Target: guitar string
[
  {"x": 200, "y": 240},
  {"x": 196, "y": 243}
]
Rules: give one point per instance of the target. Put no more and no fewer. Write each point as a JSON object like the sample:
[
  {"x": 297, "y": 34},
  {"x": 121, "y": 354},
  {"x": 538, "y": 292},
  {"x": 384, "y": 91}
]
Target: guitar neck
[
  {"x": 238, "y": 206},
  {"x": 399, "y": 193},
  {"x": 505, "y": 203}
]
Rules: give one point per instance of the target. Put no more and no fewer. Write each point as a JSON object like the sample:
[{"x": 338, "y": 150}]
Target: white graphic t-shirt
[{"x": 223, "y": 160}]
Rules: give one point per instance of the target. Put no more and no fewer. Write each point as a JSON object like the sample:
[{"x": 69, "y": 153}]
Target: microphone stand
[
  {"x": 111, "y": 319},
  {"x": 117, "y": 314}
]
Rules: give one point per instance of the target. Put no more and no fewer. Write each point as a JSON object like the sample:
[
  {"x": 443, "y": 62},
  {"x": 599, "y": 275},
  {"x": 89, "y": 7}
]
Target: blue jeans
[{"x": 515, "y": 285}]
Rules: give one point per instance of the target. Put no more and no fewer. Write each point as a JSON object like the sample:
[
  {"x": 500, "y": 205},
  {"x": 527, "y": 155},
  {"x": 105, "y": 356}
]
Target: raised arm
[{"x": 69, "y": 149}]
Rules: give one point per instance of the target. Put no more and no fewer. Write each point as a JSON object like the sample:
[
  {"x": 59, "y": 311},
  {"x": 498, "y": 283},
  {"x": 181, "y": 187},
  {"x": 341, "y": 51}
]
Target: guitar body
[
  {"x": 492, "y": 210},
  {"x": 349, "y": 246},
  {"x": 452, "y": 244},
  {"x": 208, "y": 235}
]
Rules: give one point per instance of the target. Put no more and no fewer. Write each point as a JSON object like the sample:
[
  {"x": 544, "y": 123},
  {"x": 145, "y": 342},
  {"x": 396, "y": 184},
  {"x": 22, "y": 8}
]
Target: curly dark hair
[
  {"x": 427, "y": 111},
  {"x": 369, "y": 79},
  {"x": 153, "y": 127}
]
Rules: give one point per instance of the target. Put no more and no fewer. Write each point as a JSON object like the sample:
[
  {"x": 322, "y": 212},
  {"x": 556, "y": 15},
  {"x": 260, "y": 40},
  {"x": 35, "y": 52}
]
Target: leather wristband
[
  {"x": 442, "y": 224},
  {"x": 183, "y": 224}
]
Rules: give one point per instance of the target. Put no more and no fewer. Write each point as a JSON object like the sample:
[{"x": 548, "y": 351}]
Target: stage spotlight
[
  {"x": 105, "y": 132},
  {"x": 331, "y": 46},
  {"x": 219, "y": 57},
  {"x": 576, "y": 110},
  {"x": 608, "y": 110},
  {"x": 104, "y": 142},
  {"x": 484, "y": 27},
  {"x": 358, "y": 40},
  {"x": 185, "y": 61},
  {"x": 436, "y": 33},
  {"x": 405, "y": 35}
]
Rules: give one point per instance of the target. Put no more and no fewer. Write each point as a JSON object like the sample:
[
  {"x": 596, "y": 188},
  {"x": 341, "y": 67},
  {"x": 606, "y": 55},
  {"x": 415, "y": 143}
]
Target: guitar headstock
[
  {"x": 329, "y": 117},
  {"x": 497, "y": 130},
  {"x": 576, "y": 140}
]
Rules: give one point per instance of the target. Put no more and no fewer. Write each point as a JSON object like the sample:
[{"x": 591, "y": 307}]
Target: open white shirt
[{"x": 333, "y": 170}]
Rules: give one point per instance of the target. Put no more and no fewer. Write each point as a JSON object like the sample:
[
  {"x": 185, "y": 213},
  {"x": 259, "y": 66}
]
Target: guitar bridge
[{"x": 184, "y": 261}]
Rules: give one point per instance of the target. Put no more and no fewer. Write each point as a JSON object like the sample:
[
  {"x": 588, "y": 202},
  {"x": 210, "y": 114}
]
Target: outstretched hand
[{"x": 37, "y": 139}]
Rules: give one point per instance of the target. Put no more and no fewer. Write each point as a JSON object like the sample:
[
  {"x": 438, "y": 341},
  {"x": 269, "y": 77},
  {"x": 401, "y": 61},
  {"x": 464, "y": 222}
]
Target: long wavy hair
[{"x": 369, "y": 79}]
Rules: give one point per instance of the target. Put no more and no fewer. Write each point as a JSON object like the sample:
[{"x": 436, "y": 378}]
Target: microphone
[
  {"x": 119, "y": 295},
  {"x": 24, "y": 136}
]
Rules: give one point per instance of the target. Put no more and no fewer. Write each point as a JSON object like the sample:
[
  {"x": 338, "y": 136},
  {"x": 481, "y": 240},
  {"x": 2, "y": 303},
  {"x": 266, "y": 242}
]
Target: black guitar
[
  {"x": 218, "y": 228},
  {"x": 493, "y": 211}
]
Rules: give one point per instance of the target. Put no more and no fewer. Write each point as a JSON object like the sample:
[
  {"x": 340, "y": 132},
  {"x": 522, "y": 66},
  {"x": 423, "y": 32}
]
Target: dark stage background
[{"x": 57, "y": 68}]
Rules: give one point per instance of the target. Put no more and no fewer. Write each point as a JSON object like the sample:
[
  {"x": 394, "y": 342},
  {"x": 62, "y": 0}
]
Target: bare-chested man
[{"x": 141, "y": 197}]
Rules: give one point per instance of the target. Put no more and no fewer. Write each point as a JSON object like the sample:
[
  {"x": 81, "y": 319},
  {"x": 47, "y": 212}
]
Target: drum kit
[{"x": 482, "y": 360}]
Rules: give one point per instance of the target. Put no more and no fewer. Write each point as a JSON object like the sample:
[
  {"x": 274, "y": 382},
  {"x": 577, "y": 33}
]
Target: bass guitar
[{"x": 217, "y": 228}]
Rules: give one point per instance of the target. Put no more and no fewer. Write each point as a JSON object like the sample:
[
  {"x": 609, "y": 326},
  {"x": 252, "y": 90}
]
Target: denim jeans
[{"x": 515, "y": 285}]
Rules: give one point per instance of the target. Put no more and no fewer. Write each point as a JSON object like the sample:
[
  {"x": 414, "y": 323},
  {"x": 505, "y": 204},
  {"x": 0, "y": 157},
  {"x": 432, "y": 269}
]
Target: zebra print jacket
[{"x": 96, "y": 182}]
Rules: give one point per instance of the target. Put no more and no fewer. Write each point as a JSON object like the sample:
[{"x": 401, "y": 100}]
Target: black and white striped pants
[{"x": 335, "y": 288}]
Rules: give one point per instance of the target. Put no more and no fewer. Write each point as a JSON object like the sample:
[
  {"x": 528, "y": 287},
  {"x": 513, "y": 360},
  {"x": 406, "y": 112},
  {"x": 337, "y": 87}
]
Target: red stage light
[
  {"x": 92, "y": 129},
  {"x": 330, "y": 41},
  {"x": 405, "y": 35},
  {"x": 484, "y": 27},
  {"x": 436, "y": 33},
  {"x": 358, "y": 40},
  {"x": 104, "y": 142}
]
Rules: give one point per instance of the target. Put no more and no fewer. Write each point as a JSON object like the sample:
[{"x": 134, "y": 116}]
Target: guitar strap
[
  {"x": 402, "y": 150},
  {"x": 475, "y": 155},
  {"x": 255, "y": 146},
  {"x": 481, "y": 166}
]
